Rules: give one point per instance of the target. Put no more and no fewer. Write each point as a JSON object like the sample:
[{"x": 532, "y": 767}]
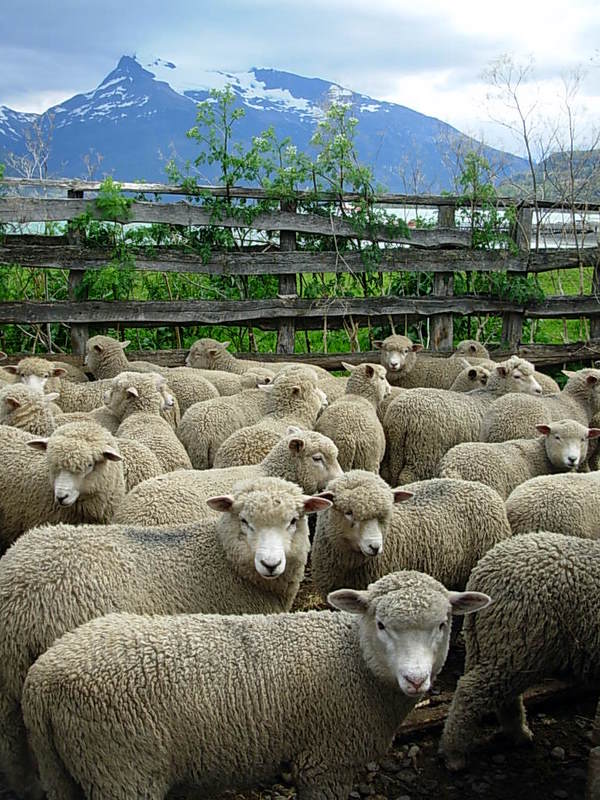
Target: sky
[{"x": 428, "y": 55}]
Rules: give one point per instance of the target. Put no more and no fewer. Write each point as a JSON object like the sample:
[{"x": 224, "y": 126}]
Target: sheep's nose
[
  {"x": 374, "y": 548},
  {"x": 416, "y": 683},
  {"x": 269, "y": 566},
  {"x": 61, "y": 498},
  {"x": 572, "y": 460}
]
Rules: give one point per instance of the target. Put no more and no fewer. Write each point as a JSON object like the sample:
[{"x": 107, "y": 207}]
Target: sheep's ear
[
  {"x": 13, "y": 402},
  {"x": 472, "y": 373},
  {"x": 52, "y": 396},
  {"x": 369, "y": 370},
  {"x": 326, "y": 496},
  {"x": 591, "y": 380},
  {"x": 316, "y": 503},
  {"x": 125, "y": 344},
  {"x": 378, "y": 344},
  {"x": 543, "y": 429},
  {"x": 265, "y": 387},
  {"x": 468, "y": 602},
  {"x": 11, "y": 369},
  {"x": 350, "y": 600},
  {"x": 295, "y": 389},
  {"x": 59, "y": 372},
  {"x": 111, "y": 455},
  {"x": 296, "y": 444},
  {"x": 291, "y": 429},
  {"x": 132, "y": 392},
  {"x": 502, "y": 370},
  {"x": 225, "y": 345},
  {"x": 38, "y": 444},
  {"x": 568, "y": 372},
  {"x": 400, "y": 495},
  {"x": 98, "y": 348},
  {"x": 472, "y": 348},
  {"x": 593, "y": 433},
  {"x": 347, "y": 367},
  {"x": 416, "y": 347},
  {"x": 222, "y": 502}
]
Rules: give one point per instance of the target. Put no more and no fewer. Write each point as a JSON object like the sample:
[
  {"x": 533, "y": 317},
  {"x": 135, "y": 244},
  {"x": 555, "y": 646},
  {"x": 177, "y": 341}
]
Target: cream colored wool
[
  {"x": 26, "y": 408},
  {"x": 421, "y": 425},
  {"x": 81, "y": 396},
  {"x": 567, "y": 504},
  {"x": 156, "y": 433},
  {"x": 305, "y": 458},
  {"x": 352, "y": 422},
  {"x": 140, "y": 464},
  {"x": 316, "y": 691},
  {"x": 543, "y": 623},
  {"x": 443, "y": 529},
  {"x": 292, "y": 399},
  {"x": 471, "y": 377},
  {"x": 57, "y": 578},
  {"x": 105, "y": 358},
  {"x": 516, "y": 417},
  {"x": 471, "y": 348},
  {"x": 205, "y": 426},
  {"x": 101, "y": 415},
  {"x": 27, "y": 477},
  {"x": 505, "y": 465}
]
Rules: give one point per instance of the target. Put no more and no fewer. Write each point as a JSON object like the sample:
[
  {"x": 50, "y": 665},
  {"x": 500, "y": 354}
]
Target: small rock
[
  {"x": 558, "y": 753},
  {"x": 372, "y": 767},
  {"x": 354, "y": 795},
  {"x": 414, "y": 751},
  {"x": 498, "y": 758}
]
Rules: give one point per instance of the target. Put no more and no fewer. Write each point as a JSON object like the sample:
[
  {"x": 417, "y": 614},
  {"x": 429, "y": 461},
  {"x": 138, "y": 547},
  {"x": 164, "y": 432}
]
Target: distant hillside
[
  {"x": 138, "y": 117},
  {"x": 560, "y": 177}
]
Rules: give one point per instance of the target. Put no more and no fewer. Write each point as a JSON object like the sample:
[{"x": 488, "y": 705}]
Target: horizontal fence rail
[{"x": 443, "y": 249}]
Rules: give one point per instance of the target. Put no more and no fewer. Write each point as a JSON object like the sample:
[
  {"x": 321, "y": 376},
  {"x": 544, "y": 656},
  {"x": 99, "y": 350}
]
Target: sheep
[
  {"x": 421, "y": 425},
  {"x": 293, "y": 399},
  {"x": 338, "y": 687},
  {"x": 515, "y": 418},
  {"x": 352, "y": 421},
  {"x": 26, "y": 408},
  {"x": 303, "y": 457},
  {"x": 505, "y": 465},
  {"x": 205, "y": 426},
  {"x": 471, "y": 348},
  {"x": 36, "y": 373},
  {"x": 439, "y": 526},
  {"x": 471, "y": 377},
  {"x": 79, "y": 478},
  {"x": 57, "y": 578},
  {"x": 544, "y": 622},
  {"x": 566, "y": 504}
]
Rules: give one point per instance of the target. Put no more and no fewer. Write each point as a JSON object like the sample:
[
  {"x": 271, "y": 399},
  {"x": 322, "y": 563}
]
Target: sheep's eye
[
  {"x": 557, "y": 437},
  {"x": 443, "y": 626},
  {"x": 90, "y": 465},
  {"x": 243, "y": 521},
  {"x": 380, "y": 625},
  {"x": 317, "y": 457},
  {"x": 348, "y": 515},
  {"x": 293, "y": 522}
]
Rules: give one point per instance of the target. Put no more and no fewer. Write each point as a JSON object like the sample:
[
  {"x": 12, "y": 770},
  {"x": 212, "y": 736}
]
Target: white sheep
[
  {"x": 352, "y": 422},
  {"x": 322, "y": 692},
  {"x": 56, "y": 578},
  {"x": 305, "y": 458},
  {"x": 421, "y": 425},
  {"x": 24, "y": 407},
  {"x": 544, "y": 623},
  {"x": 563, "y": 446},
  {"x": 439, "y": 526},
  {"x": 77, "y": 478}
]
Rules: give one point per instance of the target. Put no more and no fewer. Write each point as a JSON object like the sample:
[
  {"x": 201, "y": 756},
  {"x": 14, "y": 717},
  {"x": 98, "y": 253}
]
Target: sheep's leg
[
  {"x": 512, "y": 718},
  {"x": 15, "y": 757}
]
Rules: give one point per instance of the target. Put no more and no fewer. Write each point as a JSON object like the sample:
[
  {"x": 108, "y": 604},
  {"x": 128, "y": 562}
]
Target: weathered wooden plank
[
  {"x": 25, "y": 251},
  {"x": 22, "y": 210},
  {"x": 442, "y": 326},
  {"x": 387, "y": 198},
  {"x": 286, "y": 333},
  {"x": 265, "y": 312}
]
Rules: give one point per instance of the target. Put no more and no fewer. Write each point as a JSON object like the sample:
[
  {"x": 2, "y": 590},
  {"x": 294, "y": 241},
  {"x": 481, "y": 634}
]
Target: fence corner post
[
  {"x": 286, "y": 331},
  {"x": 442, "y": 325},
  {"x": 79, "y": 331},
  {"x": 512, "y": 321}
]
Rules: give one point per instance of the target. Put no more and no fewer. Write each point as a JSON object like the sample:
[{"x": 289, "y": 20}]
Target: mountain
[{"x": 138, "y": 116}]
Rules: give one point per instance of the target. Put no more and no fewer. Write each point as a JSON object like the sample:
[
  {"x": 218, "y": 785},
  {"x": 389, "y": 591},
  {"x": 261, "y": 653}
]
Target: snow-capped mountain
[{"x": 137, "y": 118}]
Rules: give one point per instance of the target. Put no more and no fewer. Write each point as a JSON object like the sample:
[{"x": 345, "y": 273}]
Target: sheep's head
[
  {"x": 204, "y": 353},
  {"x": 514, "y": 375},
  {"x": 369, "y": 381},
  {"x": 266, "y": 522},
  {"x": 566, "y": 442},
  {"x": 255, "y": 377},
  {"x": 19, "y": 397},
  {"x": 77, "y": 454},
  {"x": 586, "y": 383},
  {"x": 100, "y": 348},
  {"x": 296, "y": 392},
  {"x": 471, "y": 377},
  {"x": 310, "y": 459},
  {"x": 405, "y": 621},
  {"x": 35, "y": 372},
  {"x": 471, "y": 349},
  {"x": 398, "y": 353},
  {"x": 131, "y": 392},
  {"x": 362, "y": 506}
]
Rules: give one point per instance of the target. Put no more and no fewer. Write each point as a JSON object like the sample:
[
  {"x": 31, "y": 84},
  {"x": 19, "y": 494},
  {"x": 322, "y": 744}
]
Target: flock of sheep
[{"x": 154, "y": 536}]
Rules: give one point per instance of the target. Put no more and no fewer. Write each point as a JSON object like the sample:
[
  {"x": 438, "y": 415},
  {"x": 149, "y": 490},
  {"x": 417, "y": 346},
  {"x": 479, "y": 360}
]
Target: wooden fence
[{"x": 443, "y": 250}]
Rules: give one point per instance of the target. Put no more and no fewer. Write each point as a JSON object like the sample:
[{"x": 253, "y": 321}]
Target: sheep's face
[
  {"x": 585, "y": 382},
  {"x": 35, "y": 373},
  {"x": 204, "y": 353},
  {"x": 471, "y": 378},
  {"x": 516, "y": 375},
  {"x": 267, "y": 524},
  {"x": 314, "y": 459},
  {"x": 405, "y": 631},
  {"x": 566, "y": 443},
  {"x": 471, "y": 349},
  {"x": 398, "y": 353}
]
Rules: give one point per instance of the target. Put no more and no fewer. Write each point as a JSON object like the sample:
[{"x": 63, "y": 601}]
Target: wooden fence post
[
  {"x": 79, "y": 331},
  {"x": 286, "y": 332},
  {"x": 512, "y": 322},
  {"x": 442, "y": 325},
  {"x": 595, "y": 321}
]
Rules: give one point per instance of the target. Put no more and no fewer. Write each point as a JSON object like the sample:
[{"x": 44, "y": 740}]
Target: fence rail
[{"x": 444, "y": 250}]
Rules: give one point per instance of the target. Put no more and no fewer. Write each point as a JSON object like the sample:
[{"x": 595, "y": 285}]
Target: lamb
[
  {"x": 205, "y": 426},
  {"x": 303, "y": 457},
  {"x": 56, "y": 578},
  {"x": 471, "y": 377},
  {"x": 544, "y": 622},
  {"x": 505, "y": 465},
  {"x": 352, "y": 421},
  {"x": 566, "y": 504},
  {"x": 440, "y": 526},
  {"x": 36, "y": 373},
  {"x": 516, "y": 418},
  {"x": 421, "y": 425},
  {"x": 79, "y": 478},
  {"x": 293, "y": 399},
  {"x": 388, "y": 645},
  {"x": 26, "y": 408},
  {"x": 471, "y": 348}
]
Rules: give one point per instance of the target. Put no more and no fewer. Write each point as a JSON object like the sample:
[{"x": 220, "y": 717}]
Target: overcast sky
[{"x": 428, "y": 55}]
